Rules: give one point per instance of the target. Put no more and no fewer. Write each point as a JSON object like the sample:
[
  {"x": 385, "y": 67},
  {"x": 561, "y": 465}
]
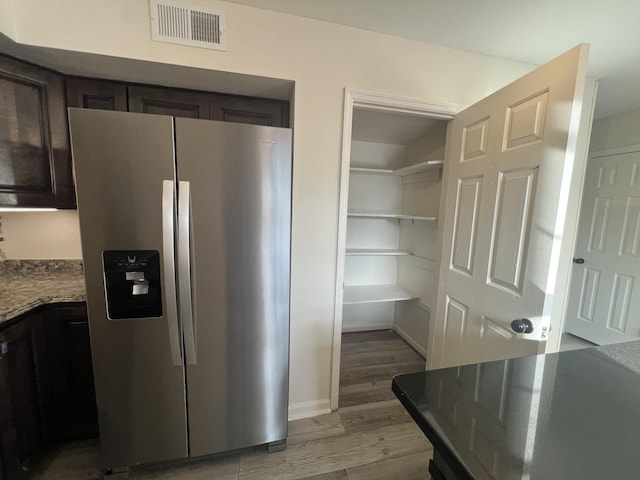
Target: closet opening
[{"x": 393, "y": 159}]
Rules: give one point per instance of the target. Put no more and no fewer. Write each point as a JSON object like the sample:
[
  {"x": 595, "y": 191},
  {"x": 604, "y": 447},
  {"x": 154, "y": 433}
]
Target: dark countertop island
[{"x": 563, "y": 416}]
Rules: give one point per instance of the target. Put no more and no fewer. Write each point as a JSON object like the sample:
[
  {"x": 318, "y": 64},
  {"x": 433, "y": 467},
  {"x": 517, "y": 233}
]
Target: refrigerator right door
[{"x": 234, "y": 261}]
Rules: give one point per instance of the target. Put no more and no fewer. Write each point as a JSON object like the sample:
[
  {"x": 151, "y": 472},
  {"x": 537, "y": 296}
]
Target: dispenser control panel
[{"x": 132, "y": 284}]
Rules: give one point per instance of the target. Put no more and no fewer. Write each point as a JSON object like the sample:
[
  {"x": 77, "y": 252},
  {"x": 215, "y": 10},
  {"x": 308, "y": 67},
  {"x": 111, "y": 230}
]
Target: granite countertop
[{"x": 27, "y": 284}]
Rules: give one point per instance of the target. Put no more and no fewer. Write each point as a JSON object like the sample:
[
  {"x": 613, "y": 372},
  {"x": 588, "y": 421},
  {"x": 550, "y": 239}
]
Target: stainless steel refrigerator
[{"x": 185, "y": 228}]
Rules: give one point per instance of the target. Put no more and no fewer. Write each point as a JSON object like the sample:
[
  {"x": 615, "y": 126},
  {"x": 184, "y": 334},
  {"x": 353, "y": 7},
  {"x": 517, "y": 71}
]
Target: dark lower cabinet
[
  {"x": 69, "y": 353},
  {"x": 23, "y": 394},
  {"x": 46, "y": 385}
]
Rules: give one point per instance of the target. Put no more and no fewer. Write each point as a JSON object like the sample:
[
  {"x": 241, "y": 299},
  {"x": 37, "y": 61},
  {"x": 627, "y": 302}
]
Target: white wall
[
  {"x": 616, "y": 131},
  {"x": 322, "y": 59},
  {"x": 39, "y": 235},
  {"x": 7, "y": 25}
]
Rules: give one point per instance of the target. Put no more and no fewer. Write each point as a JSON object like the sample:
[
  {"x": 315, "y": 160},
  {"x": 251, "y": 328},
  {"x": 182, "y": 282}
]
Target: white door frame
[{"x": 374, "y": 101}]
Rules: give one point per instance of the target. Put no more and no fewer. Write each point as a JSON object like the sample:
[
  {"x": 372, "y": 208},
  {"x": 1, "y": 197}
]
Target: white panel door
[
  {"x": 508, "y": 169},
  {"x": 604, "y": 303}
]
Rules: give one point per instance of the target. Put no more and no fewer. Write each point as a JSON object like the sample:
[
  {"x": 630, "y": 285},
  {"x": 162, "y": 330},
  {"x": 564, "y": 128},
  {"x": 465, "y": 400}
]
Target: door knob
[
  {"x": 579, "y": 261},
  {"x": 522, "y": 325}
]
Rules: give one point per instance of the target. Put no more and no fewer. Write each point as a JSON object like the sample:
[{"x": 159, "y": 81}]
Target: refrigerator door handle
[
  {"x": 168, "y": 252},
  {"x": 184, "y": 270}
]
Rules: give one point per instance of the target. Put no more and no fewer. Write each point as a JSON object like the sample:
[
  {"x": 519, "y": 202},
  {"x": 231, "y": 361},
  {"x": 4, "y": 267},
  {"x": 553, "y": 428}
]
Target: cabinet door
[
  {"x": 97, "y": 94},
  {"x": 35, "y": 164},
  {"x": 69, "y": 357},
  {"x": 22, "y": 393},
  {"x": 168, "y": 101},
  {"x": 9, "y": 462},
  {"x": 257, "y": 111}
]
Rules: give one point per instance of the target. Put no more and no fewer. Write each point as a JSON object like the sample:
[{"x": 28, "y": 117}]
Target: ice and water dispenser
[{"x": 132, "y": 283}]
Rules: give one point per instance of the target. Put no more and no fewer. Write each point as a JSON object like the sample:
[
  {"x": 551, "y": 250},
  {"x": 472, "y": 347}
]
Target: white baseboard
[
  {"x": 366, "y": 328},
  {"x": 312, "y": 408},
  {"x": 405, "y": 336}
]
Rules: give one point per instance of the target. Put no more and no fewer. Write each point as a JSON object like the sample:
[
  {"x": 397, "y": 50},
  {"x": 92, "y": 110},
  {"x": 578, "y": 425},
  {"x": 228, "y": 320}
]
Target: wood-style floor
[{"x": 370, "y": 436}]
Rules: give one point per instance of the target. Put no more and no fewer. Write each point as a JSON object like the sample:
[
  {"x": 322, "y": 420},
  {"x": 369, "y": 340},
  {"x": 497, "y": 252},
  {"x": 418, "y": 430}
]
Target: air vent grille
[
  {"x": 184, "y": 24},
  {"x": 205, "y": 27},
  {"x": 173, "y": 22}
]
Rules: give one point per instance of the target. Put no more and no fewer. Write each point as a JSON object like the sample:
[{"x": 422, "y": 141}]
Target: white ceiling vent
[{"x": 185, "y": 24}]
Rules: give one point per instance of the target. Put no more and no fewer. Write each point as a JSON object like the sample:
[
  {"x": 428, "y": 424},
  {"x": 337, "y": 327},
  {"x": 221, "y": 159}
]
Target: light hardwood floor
[{"x": 370, "y": 436}]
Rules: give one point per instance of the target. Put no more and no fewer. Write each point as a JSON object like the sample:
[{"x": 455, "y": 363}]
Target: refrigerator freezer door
[
  {"x": 121, "y": 160},
  {"x": 240, "y": 182}
]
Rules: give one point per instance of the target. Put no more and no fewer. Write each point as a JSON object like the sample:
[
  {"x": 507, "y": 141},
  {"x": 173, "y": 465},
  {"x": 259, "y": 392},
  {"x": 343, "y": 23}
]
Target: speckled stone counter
[{"x": 27, "y": 284}]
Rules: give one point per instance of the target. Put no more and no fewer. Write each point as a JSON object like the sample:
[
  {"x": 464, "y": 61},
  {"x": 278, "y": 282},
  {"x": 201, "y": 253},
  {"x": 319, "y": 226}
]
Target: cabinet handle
[
  {"x": 4, "y": 349},
  {"x": 78, "y": 323}
]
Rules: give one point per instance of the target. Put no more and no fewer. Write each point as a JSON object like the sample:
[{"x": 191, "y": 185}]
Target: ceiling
[{"x": 531, "y": 31}]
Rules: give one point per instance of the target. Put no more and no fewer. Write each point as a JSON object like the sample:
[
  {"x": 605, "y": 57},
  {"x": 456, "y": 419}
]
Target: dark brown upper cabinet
[
  {"x": 35, "y": 163},
  {"x": 208, "y": 106},
  {"x": 257, "y": 111},
  {"x": 168, "y": 101},
  {"x": 35, "y": 159},
  {"x": 96, "y": 94}
]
